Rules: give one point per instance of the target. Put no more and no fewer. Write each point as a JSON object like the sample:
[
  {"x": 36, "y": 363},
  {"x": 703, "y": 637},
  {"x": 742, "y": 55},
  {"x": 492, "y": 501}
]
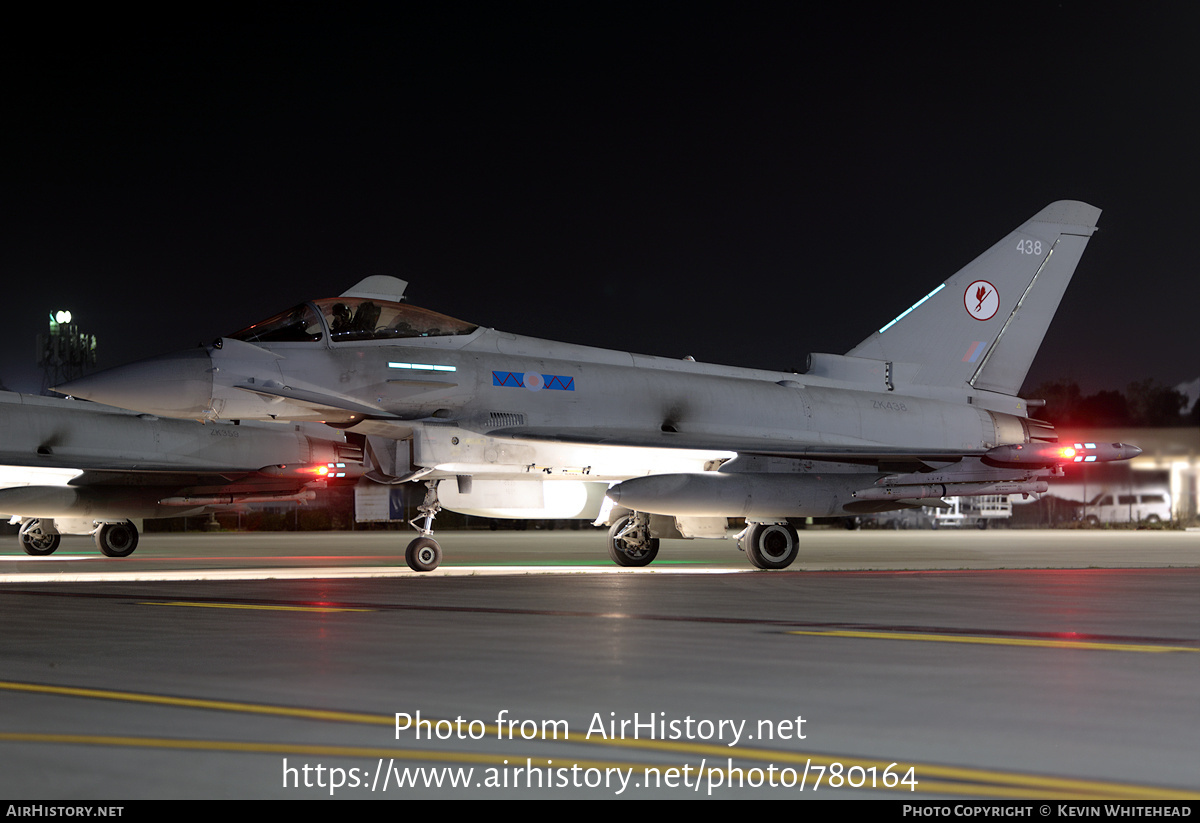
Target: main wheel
[
  {"x": 630, "y": 544},
  {"x": 117, "y": 539},
  {"x": 771, "y": 545},
  {"x": 423, "y": 554},
  {"x": 38, "y": 541}
]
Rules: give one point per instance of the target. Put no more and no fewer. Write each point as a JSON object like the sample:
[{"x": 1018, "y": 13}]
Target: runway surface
[{"x": 1006, "y": 664}]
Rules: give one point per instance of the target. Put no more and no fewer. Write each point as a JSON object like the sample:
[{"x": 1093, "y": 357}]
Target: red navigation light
[{"x": 1066, "y": 452}]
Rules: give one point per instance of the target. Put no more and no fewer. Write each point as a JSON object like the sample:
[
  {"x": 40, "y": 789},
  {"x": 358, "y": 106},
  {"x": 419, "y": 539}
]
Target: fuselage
[{"x": 507, "y": 386}]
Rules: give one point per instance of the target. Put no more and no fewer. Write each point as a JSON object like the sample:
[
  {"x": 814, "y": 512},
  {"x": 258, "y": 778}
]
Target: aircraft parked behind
[{"x": 71, "y": 467}]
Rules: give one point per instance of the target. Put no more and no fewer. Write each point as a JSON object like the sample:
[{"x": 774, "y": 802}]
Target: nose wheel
[{"x": 424, "y": 554}]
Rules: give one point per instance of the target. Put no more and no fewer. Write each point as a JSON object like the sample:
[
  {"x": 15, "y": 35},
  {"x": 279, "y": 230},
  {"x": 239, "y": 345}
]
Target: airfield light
[{"x": 63, "y": 351}]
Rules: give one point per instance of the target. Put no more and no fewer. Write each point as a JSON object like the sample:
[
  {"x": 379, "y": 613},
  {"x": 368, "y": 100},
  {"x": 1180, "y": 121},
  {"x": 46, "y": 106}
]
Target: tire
[
  {"x": 423, "y": 554},
  {"x": 37, "y": 542},
  {"x": 639, "y": 551},
  {"x": 771, "y": 545},
  {"x": 117, "y": 539}
]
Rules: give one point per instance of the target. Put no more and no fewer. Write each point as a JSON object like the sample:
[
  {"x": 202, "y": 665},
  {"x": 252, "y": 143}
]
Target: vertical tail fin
[{"x": 984, "y": 325}]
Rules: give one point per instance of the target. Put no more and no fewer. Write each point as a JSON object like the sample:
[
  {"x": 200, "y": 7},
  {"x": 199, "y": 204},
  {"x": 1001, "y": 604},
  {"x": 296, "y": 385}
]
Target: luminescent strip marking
[
  {"x": 422, "y": 366},
  {"x": 959, "y": 780},
  {"x": 249, "y": 606},
  {"x": 911, "y": 308},
  {"x": 1002, "y": 641}
]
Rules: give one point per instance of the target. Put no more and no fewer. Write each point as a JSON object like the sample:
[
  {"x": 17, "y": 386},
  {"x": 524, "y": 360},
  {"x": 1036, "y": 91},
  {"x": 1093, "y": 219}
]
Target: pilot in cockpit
[{"x": 340, "y": 320}]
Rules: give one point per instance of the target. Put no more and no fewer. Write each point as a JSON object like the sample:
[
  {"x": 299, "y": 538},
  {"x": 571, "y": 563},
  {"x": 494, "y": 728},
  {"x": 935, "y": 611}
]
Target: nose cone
[{"x": 170, "y": 385}]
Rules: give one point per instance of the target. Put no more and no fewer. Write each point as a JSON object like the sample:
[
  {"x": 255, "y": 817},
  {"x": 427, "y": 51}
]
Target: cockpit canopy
[{"x": 352, "y": 319}]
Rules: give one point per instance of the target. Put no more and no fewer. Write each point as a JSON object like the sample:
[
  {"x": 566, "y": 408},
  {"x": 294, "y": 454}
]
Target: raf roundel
[
  {"x": 981, "y": 300},
  {"x": 534, "y": 381}
]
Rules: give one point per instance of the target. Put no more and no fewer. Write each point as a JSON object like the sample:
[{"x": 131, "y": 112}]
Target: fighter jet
[
  {"x": 71, "y": 467},
  {"x": 925, "y": 407}
]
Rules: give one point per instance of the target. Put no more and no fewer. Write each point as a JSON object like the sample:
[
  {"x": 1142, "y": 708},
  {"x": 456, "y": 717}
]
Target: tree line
[{"x": 1143, "y": 403}]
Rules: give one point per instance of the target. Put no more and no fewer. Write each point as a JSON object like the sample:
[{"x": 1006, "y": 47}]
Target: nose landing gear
[{"x": 423, "y": 553}]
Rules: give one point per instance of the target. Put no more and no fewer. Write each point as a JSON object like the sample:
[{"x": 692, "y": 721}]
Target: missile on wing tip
[{"x": 1061, "y": 454}]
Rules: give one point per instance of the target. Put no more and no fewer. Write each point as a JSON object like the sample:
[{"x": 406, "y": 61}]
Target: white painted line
[{"x": 151, "y": 575}]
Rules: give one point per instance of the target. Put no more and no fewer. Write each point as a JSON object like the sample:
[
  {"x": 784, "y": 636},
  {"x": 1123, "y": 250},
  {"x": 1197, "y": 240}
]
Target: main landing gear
[
  {"x": 770, "y": 545},
  {"x": 424, "y": 554},
  {"x": 40, "y": 537},
  {"x": 767, "y": 545},
  {"x": 116, "y": 539}
]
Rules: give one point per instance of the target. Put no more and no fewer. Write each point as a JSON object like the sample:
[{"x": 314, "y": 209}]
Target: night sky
[{"x": 742, "y": 186}]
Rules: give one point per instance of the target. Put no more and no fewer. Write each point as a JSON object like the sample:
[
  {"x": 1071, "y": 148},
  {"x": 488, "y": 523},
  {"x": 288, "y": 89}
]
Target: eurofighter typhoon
[{"x": 502, "y": 425}]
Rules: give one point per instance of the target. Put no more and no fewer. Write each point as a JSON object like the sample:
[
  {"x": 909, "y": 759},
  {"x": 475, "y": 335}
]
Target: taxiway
[{"x": 1003, "y": 664}]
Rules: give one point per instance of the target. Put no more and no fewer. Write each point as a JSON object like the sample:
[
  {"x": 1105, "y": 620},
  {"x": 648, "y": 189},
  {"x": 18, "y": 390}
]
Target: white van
[{"x": 1151, "y": 506}]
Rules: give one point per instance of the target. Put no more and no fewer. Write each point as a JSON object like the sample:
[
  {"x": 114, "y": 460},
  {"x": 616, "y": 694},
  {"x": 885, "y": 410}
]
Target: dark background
[{"x": 740, "y": 185}]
